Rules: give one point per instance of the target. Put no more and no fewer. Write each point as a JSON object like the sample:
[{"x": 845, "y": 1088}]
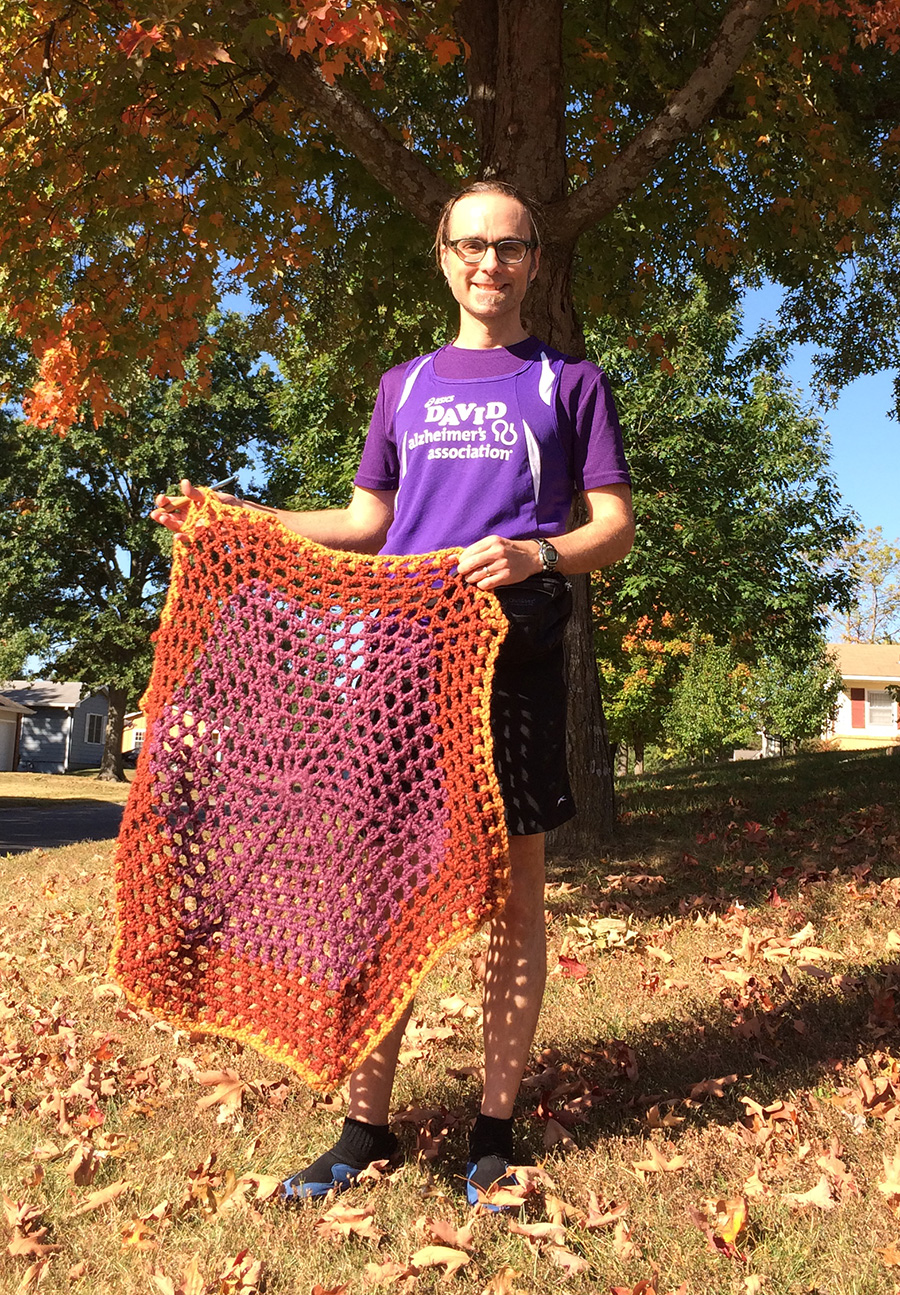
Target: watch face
[{"x": 549, "y": 555}]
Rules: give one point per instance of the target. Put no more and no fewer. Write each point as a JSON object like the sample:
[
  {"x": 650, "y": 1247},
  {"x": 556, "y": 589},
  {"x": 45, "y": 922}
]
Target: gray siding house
[{"x": 64, "y": 731}]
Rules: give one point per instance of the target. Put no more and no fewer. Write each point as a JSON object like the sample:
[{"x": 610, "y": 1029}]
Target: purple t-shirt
[{"x": 492, "y": 442}]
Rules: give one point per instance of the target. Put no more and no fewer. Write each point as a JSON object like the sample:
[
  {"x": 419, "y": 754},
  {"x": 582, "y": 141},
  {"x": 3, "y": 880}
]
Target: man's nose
[{"x": 490, "y": 261}]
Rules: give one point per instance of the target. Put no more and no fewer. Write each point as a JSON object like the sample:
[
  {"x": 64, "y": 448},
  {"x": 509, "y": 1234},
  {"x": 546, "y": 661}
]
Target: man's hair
[{"x": 486, "y": 186}]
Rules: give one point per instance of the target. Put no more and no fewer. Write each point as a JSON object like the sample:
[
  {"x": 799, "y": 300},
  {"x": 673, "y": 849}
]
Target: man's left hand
[{"x": 496, "y": 561}]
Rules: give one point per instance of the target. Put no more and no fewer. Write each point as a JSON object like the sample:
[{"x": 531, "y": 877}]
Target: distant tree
[
  {"x": 740, "y": 524},
  {"x": 639, "y": 677},
  {"x": 712, "y": 707},
  {"x": 80, "y": 561},
  {"x": 874, "y": 614},
  {"x": 796, "y": 704}
]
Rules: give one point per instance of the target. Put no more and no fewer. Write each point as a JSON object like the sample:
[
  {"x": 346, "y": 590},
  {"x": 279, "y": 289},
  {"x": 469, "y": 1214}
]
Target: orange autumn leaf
[{"x": 345, "y": 1221}]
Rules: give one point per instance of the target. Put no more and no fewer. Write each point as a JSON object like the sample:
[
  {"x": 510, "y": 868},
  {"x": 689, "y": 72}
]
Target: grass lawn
[
  {"x": 29, "y": 789},
  {"x": 713, "y": 1098}
]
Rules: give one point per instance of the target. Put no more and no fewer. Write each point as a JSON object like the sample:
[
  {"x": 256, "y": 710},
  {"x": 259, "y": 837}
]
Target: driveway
[{"x": 57, "y": 822}]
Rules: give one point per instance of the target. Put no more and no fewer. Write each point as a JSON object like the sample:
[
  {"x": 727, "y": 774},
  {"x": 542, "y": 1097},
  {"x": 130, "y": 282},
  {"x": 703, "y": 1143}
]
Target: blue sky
[{"x": 865, "y": 456}]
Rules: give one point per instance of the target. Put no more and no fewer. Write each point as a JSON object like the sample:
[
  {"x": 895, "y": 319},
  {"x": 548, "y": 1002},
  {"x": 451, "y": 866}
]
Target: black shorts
[{"x": 528, "y": 705}]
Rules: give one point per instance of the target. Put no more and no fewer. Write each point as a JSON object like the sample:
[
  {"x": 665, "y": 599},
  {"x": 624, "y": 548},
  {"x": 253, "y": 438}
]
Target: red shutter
[{"x": 857, "y": 708}]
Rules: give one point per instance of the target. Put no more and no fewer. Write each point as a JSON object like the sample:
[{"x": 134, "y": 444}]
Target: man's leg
[
  {"x": 513, "y": 990},
  {"x": 365, "y": 1136},
  {"x": 371, "y": 1083}
]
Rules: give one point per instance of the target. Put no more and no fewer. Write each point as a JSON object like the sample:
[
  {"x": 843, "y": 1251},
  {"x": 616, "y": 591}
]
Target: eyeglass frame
[{"x": 530, "y": 244}]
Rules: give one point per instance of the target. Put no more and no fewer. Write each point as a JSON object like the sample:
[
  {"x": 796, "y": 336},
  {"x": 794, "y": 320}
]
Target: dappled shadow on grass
[
  {"x": 840, "y": 1025},
  {"x": 700, "y": 840},
  {"x": 661, "y": 808}
]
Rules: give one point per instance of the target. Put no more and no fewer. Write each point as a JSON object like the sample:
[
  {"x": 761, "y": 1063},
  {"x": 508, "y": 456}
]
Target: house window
[
  {"x": 139, "y": 735},
  {"x": 94, "y": 729},
  {"x": 881, "y": 709}
]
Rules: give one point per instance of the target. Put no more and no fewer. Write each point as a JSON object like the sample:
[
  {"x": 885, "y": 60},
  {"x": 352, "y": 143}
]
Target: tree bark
[{"x": 111, "y": 768}]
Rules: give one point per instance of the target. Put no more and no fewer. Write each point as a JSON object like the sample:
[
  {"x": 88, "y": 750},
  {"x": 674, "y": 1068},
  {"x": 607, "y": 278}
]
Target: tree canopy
[
  {"x": 80, "y": 561},
  {"x": 149, "y": 154},
  {"x": 741, "y": 527}
]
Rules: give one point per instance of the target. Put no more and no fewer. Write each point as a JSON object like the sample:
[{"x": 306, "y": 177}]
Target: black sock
[
  {"x": 491, "y": 1137},
  {"x": 358, "y": 1145}
]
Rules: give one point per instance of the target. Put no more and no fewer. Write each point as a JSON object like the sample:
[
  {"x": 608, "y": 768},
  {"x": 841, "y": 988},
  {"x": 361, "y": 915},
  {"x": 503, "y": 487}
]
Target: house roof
[
  {"x": 868, "y": 660},
  {"x": 41, "y": 692},
  {"x": 10, "y": 707}
]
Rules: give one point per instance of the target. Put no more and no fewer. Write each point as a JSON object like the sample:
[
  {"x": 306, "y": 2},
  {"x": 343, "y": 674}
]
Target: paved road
[{"x": 57, "y": 822}]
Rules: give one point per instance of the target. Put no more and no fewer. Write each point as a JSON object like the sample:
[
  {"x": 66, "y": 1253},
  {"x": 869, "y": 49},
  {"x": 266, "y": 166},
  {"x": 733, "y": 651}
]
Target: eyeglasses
[{"x": 510, "y": 251}]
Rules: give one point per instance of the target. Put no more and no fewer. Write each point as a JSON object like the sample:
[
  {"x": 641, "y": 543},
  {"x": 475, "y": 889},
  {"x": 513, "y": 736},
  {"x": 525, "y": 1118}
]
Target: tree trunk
[
  {"x": 111, "y": 769},
  {"x": 638, "y": 755},
  {"x": 522, "y": 141}
]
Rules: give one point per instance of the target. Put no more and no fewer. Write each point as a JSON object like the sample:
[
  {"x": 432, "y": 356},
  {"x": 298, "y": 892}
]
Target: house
[
  {"x": 868, "y": 713},
  {"x": 134, "y": 732},
  {"x": 11, "y": 713},
  {"x": 64, "y": 730}
]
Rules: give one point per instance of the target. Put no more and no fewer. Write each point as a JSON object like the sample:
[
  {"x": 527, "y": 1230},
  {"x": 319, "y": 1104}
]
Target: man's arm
[
  {"x": 361, "y": 527},
  {"x": 606, "y": 536}
]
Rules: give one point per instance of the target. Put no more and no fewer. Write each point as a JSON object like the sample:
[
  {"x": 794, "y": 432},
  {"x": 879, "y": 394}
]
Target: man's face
[{"x": 489, "y": 290}]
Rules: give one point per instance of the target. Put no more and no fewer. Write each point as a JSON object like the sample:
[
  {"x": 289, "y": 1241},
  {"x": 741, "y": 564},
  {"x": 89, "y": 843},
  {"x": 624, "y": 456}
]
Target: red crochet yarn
[{"x": 315, "y": 817}]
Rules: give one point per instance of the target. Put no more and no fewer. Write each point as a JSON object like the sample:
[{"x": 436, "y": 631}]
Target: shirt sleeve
[
  {"x": 589, "y": 416},
  {"x": 379, "y": 467}
]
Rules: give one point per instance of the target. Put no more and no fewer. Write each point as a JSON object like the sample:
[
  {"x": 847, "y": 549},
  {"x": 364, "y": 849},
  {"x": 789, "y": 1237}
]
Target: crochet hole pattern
[{"x": 315, "y": 816}]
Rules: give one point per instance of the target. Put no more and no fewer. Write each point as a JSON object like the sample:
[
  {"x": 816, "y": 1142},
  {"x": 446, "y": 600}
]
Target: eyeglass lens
[{"x": 510, "y": 251}]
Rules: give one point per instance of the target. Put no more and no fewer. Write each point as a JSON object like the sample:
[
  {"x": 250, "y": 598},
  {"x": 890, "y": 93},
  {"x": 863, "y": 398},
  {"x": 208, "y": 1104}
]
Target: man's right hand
[{"x": 170, "y": 510}]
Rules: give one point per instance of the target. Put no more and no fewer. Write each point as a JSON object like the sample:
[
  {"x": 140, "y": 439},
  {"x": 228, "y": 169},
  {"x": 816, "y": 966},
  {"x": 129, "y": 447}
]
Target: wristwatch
[{"x": 548, "y": 555}]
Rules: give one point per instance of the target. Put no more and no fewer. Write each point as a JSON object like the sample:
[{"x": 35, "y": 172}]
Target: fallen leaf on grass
[
  {"x": 623, "y": 1245},
  {"x": 441, "y": 1257},
  {"x": 821, "y": 1196},
  {"x": 345, "y": 1221},
  {"x": 753, "y": 1284},
  {"x": 572, "y": 1264},
  {"x": 25, "y": 1244},
  {"x": 82, "y": 1168},
  {"x": 539, "y": 1233},
  {"x": 556, "y": 1135},
  {"x": 657, "y": 1163},
  {"x": 600, "y": 1214},
  {"x": 228, "y": 1092},
  {"x": 33, "y": 1276},
  {"x": 77, "y": 1270},
  {"x": 502, "y": 1283},
  {"x": 191, "y": 1283},
  {"x": 889, "y": 1185},
  {"x": 662, "y": 955},
  {"x": 332, "y": 1290},
  {"x": 712, "y": 1087},
  {"x": 754, "y": 1185},
  {"x": 241, "y": 1275},
  {"x": 444, "y": 1231},
  {"x": 138, "y": 1236},
  {"x": 384, "y": 1274},
  {"x": 98, "y": 1199},
  {"x": 890, "y": 1256},
  {"x": 572, "y": 968},
  {"x": 656, "y": 1120}
]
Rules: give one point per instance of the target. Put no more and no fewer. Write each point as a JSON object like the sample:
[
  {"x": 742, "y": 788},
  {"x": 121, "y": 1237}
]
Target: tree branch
[
  {"x": 681, "y": 117},
  {"x": 405, "y": 175}
]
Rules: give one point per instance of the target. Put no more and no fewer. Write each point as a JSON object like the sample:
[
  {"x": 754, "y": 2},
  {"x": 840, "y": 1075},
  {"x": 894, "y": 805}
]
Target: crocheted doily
[{"x": 315, "y": 817}]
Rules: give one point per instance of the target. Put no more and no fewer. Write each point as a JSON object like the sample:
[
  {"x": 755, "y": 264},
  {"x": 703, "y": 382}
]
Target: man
[{"x": 483, "y": 445}]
